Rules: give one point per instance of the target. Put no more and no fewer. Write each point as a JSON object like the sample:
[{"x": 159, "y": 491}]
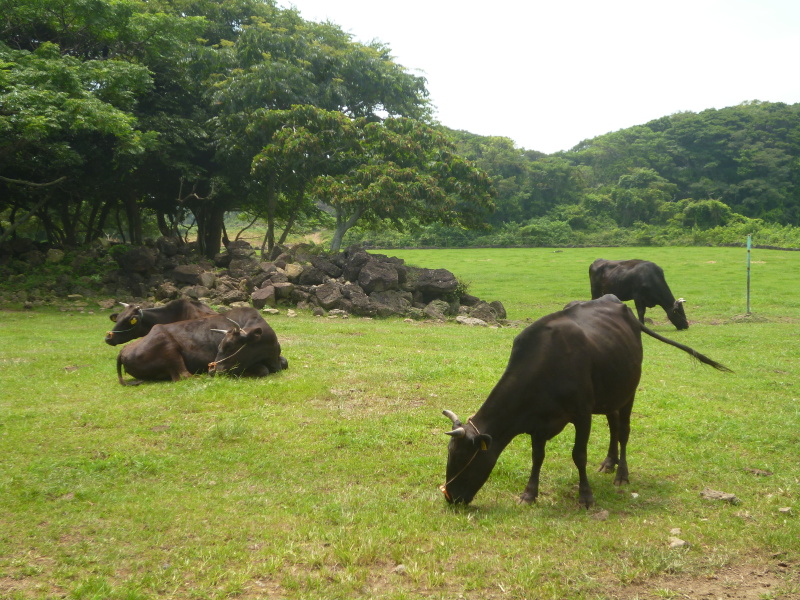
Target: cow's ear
[
  {"x": 113, "y": 317},
  {"x": 254, "y": 334},
  {"x": 482, "y": 441}
]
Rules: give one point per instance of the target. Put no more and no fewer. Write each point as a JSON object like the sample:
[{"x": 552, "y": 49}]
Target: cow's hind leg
[
  {"x": 532, "y": 489},
  {"x": 612, "y": 458},
  {"x": 583, "y": 427},
  {"x": 624, "y": 433}
]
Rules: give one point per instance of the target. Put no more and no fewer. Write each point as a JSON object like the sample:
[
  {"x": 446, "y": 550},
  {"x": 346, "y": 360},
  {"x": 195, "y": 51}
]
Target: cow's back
[
  {"x": 626, "y": 279},
  {"x": 590, "y": 348}
]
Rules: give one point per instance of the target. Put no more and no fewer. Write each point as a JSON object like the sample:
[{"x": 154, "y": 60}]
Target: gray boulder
[
  {"x": 499, "y": 309},
  {"x": 391, "y": 302},
  {"x": 484, "y": 312},
  {"x": 378, "y": 277},
  {"x": 435, "y": 283},
  {"x": 329, "y": 295},
  {"x": 264, "y": 296},
  {"x": 437, "y": 310},
  {"x": 355, "y": 259},
  {"x": 187, "y": 274}
]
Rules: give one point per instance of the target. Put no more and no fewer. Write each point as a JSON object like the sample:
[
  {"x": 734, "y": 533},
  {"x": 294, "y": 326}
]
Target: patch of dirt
[
  {"x": 748, "y": 318},
  {"x": 778, "y": 581}
]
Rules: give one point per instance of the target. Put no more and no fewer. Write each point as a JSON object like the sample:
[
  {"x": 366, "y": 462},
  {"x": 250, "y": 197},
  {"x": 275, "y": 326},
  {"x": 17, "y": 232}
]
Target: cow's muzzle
[{"x": 447, "y": 495}]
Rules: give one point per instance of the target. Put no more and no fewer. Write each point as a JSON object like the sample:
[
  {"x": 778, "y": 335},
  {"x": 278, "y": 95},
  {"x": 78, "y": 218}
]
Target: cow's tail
[
  {"x": 701, "y": 357},
  {"x": 119, "y": 372}
]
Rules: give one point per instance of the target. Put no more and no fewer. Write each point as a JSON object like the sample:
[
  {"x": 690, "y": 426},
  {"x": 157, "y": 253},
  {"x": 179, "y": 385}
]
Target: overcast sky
[{"x": 551, "y": 74}]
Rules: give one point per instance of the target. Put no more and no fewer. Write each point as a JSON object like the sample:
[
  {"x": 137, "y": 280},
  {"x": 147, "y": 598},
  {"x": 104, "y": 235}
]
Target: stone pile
[{"x": 352, "y": 282}]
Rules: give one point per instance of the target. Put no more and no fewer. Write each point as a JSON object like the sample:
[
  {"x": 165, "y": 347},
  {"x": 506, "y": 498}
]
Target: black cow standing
[
  {"x": 135, "y": 322},
  {"x": 565, "y": 367},
  {"x": 639, "y": 280},
  {"x": 177, "y": 350}
]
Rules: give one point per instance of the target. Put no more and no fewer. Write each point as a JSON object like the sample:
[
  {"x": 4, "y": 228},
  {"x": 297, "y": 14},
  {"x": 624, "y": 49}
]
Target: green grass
[{"x": 321, "y": 481}]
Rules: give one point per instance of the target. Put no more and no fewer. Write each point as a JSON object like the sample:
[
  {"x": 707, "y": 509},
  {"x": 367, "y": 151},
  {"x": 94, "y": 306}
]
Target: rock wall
[{"x": 352, "y": 282}]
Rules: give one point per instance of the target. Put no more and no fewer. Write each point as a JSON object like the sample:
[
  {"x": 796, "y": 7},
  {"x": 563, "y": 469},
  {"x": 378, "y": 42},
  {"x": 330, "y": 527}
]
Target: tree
[
  {"x": 402, "y": 171},
  {"x": 67, "y": 120}
]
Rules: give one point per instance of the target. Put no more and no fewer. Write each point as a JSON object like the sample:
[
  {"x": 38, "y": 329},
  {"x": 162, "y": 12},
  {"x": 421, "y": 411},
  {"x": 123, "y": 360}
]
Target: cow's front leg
[
  {"x": 583, "y": 427},
  {"x": 612, "y": 458},
  {"x": 640, "y": 309},
  {"x": 532, "y": 489},
  {"x": 177, "y": 368}
]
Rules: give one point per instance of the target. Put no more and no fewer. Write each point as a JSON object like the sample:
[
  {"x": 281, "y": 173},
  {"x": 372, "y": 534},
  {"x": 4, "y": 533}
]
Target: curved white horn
[
  {"x": 452, "y": 416},
  {"x": 681, "y": 300},
  {"x": 123, "y": 304},
  {"x": 458, "y": 432},
  {"x": 220, "y": 330}
]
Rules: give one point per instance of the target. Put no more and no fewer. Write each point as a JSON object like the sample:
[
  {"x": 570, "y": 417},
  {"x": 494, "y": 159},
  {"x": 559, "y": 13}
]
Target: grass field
[{"x": 321, "y": 481}]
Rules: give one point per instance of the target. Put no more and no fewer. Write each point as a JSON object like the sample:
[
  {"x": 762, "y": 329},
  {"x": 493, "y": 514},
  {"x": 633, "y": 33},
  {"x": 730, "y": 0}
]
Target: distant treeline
[
  {"x": 130, "y": 120},
  {"x": 686, "y": 179}
]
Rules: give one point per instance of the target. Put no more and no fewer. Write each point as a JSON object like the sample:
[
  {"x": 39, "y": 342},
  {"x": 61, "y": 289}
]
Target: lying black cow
[
  {"x": 639, "y": 280},
  {"x": 177, "y": 350},
  {"x": 565, "y": 367},
  {"x": 135, "y": 322}
]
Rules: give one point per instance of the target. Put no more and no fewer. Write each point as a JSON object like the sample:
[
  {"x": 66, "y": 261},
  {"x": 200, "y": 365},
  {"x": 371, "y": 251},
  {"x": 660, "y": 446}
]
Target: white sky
[{"x": 551, "y": 74}]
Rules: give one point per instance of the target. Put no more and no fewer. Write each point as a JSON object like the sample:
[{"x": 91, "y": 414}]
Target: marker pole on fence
[{"x": 748, "y": 272}]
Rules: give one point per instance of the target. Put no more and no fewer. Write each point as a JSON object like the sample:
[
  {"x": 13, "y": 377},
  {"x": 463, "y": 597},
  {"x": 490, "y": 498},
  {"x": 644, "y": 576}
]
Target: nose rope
[
  {"x": 464, "y": 468},
  {"x": 216, "y": 362},
  {"x": 113, "y": 331}
]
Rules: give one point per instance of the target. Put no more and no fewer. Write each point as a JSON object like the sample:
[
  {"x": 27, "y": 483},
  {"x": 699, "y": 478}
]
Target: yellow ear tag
[
  {"x": 483, "y": 445},
  {"x": 134, "y": 320}
]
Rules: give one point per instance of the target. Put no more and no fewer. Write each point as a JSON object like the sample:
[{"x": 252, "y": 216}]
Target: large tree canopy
[{"x": 130, "y": 109}]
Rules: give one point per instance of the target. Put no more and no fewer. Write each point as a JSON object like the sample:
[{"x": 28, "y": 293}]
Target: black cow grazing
[
  {"x": 565, "y": 367},
  {"x": 177, "y": 350},
  {"x": 135, "y": 322},
  {"x": 639, "y": 280}
]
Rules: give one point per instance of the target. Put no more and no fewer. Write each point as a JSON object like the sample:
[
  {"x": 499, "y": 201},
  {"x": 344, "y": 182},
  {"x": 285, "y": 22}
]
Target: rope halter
[{"x": 443, "y": 487}]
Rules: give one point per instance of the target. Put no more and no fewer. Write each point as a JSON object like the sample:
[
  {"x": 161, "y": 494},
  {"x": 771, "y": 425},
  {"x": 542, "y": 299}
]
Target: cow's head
[
  {"x": 469, "y": 461},
  {"x": 128, "y": 325},
  {"x": 676, "y": 315},
  {"x": 238, "y": 350}
]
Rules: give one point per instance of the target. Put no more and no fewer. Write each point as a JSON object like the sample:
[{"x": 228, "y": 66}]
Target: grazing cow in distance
[
  {"x": 135, "y": 322},
  {"x": 565, "y": 367},
  {"x": 177, "y": 350},
  {"x": 639, "y": 280}
]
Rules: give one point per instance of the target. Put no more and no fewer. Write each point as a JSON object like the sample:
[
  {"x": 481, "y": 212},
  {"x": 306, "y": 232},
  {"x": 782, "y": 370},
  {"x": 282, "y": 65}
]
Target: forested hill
[
  {"x": 128, "y": 120},
  {"x": 687, "y": 170}
]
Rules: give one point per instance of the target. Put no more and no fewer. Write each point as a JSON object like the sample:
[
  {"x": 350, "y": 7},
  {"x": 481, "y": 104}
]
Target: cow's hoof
[
  {"x": 620, "y": 480},
  {"x": 607, "y": 466},
  {"x": 526, "y": 498}
]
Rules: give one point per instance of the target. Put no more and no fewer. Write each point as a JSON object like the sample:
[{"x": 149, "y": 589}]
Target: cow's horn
[
  {"x": 220, "y": 330},
  {"x": 452, "y": 416},
  {"x": 458, "y": 432},
  {"x": 123, "y": 304},
  {"x": 680, "y": 300}
]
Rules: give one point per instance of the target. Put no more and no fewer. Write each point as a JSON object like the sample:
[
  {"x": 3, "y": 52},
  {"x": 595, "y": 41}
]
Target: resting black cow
[
  {"x": 565, "y": 367},
  {"x": 639, "y": 280},
  {"x": 177, "y": 350},
  {"x": 135, "y": 322}
]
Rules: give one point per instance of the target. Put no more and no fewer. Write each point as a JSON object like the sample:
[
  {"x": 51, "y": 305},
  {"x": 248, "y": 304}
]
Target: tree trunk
[
  {"x": 342, "y": 225},
  {"x": 134, "y": 221},
  {"x": 209, "y": 217},
  {"x": 272, "y": 205},
  {"x": 8, "y": 233}
]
